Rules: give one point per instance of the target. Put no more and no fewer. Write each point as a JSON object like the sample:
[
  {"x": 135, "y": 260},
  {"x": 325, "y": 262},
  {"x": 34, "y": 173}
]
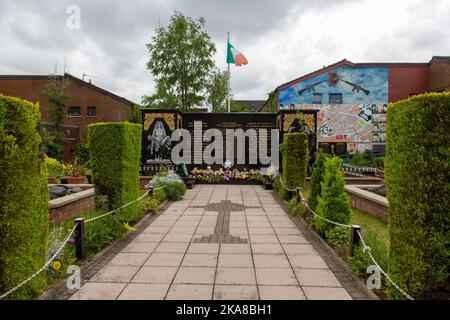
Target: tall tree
[
  {"x": 217, "y": 91},
  {"x": 181, "y": 59}
]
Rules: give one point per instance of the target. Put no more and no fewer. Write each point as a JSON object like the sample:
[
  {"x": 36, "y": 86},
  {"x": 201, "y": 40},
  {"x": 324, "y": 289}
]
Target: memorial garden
[{"x": 232, "y": 205}]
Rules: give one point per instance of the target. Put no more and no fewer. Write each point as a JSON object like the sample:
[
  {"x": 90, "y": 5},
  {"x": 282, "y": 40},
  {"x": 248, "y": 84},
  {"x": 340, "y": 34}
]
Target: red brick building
[{"x": 86, "y": 104}]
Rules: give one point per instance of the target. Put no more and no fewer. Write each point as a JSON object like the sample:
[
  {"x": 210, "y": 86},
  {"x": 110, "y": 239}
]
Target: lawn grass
[{"x": 370, "y": 222}]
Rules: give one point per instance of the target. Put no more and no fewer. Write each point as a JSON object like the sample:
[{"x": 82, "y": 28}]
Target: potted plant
[{"x": 75, "y": 173}]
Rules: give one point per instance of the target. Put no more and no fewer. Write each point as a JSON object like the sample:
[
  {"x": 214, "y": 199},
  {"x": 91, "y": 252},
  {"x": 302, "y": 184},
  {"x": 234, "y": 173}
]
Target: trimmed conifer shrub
[
  {"x": 317, "y": 179},
  {"x": 115, "y": 151},
  {"x": 23, "y": 199},
  {"x": 333, "y": 203},
  {"x": 417, "y": 176},
  {"x": 294, "y": 159}
]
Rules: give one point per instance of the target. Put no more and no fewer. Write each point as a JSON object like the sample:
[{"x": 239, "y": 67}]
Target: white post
[{"x": 229, "y": 78}]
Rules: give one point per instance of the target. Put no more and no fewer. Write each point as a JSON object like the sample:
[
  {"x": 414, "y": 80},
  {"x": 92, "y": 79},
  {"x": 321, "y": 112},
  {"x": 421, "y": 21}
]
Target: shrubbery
[
  {"x": 294, "y": 159},
  {"x": 115, "y": 151},
  {"x": 174, "y": 187},
  {"x": 54, "y": 168},
  {"x": 418, "y": 189},
  {"x": 23, "y": 199},
  {"x": 317, "y": 179},
  {"x": 333, "y": 203}
]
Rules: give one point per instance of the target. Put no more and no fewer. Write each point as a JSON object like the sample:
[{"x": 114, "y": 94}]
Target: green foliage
[
  {"x": 54, "y": 167},
  {"x": 23, "y": 199},
  {"x": 238, "y": 107},
  {"x": 333, "y": 202},
  {"x": 181, "y": 59},
  {"x": 317, "y": 179},
  {"x": 149, "y": 205},
  {"x": 379, "y": 162},
  {"x": 135, "y": 114},
  {"x": 360, "y": 260},
  {"x": 48, "y": 145},
  {"x": 278, "y": 189},
  {"x": 115, "y": 151},
  {"x": 273, "y": 101},
  {"x": 294, "y": 159},
  {"x": 174, "y": 187},
  {"x": 218, "y": 91},
  {"x": 55, "y": 151},
  {"x": 159, "y": 195},
  {"x": 418, "y": 188},
  {"x": 82, "y": 154},
  {"x": 101, "y": 232},
  {"x": 56, "y": 96},
  {"x": 360, "y": 158}
]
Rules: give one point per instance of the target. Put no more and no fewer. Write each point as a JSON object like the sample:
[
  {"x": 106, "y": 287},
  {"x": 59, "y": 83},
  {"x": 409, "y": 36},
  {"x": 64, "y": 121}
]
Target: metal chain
[
  {"x": 41, "y": 269},
  {"x": 118, "y": 209},
  {"x": 67, "y": 239},
  {"x": 323, "y": 218},
  {"x": 367, "y": 249},
  {"x": 305, "y": 202},
  {"x": 292, "y": 190}
]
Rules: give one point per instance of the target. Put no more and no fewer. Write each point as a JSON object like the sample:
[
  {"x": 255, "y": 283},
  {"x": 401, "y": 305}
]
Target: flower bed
[{"x": 227, "y": 176}]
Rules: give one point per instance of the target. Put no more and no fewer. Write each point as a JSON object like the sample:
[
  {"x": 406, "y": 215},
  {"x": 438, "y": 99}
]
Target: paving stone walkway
[{"x": 219, "y": 242}]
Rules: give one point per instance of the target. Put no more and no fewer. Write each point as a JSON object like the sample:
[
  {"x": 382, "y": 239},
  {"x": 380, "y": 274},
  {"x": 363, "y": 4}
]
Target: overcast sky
[{"x": 282, "y": 40}]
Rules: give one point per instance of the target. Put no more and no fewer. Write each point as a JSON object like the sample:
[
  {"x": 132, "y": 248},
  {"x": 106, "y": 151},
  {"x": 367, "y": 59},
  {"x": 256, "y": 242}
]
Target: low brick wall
[
  {"x": 367, "y": 201},
  {"x": 71, "y": 206}
]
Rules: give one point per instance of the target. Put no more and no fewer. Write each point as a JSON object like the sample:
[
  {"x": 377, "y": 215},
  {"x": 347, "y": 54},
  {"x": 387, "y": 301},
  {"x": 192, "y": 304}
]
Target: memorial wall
[{"x": 248, "y": 140}]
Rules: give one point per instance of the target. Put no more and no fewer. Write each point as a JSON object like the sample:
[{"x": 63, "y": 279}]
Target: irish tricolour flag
[{"x": 235, "y": 57}]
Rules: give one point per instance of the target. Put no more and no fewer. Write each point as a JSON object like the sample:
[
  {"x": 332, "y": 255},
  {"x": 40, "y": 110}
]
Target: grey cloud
[{"x": 111, "y": 42}]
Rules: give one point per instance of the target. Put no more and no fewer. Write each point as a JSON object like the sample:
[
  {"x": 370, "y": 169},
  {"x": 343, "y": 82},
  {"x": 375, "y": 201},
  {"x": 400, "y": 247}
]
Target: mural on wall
[
  {"x": 379, "y": 113},
  {"x": 358, "y": 85},
  {"x": 348, "y": 123}
]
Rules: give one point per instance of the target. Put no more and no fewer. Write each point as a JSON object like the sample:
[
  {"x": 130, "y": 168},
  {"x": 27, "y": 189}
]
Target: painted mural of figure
[{"x": 159, "y": 140}]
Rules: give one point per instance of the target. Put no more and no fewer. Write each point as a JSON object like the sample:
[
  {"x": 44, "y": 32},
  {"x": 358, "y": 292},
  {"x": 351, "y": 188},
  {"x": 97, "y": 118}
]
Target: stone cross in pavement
[{"x": 222, "y": 229}]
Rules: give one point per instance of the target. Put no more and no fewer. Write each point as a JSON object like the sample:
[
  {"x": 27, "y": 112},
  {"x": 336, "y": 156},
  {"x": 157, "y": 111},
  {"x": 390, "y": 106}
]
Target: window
[
  {"x": 92, "y": 111},
  {"x": 317, "y": 98},
  {"x": 74, "y": 112},
  {"x": 335, "y": 98}
]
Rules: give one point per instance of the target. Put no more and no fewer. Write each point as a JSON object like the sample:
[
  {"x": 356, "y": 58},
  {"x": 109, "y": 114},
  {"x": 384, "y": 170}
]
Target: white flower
[
  {"x": 228, "y": 164},
  {"x": 272, "y": 171}
]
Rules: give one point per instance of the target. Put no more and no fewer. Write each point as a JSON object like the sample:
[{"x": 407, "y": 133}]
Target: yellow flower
[{"x": 56, "y": 265}]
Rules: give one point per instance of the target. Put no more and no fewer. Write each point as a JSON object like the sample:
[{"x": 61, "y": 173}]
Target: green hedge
[
  {"x": 418, "y": 190},
  {"x": 23, "y": 199},
  {"x": 294, "y": 159},
  {"x": 115, "y": 151}
]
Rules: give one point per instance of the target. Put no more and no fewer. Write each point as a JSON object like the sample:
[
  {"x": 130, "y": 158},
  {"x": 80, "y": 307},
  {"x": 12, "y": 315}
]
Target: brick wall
[
  {"x": 439, "y": 75},
  {"x": 405, "y": 80},
  {"x": 72, "y": 206}
]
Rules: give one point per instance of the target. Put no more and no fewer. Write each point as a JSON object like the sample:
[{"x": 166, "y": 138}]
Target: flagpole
[{"x": 229, "y": 76}]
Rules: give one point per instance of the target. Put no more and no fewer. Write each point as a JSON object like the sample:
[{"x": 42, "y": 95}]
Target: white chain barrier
[
  {"x": 366, "y": 249},
  {"x": 282, "y": 184},
  {"x": 42, "y": 268},
  {"x": 118, "y": 209},
  {"x": 67, "y": 239}
]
